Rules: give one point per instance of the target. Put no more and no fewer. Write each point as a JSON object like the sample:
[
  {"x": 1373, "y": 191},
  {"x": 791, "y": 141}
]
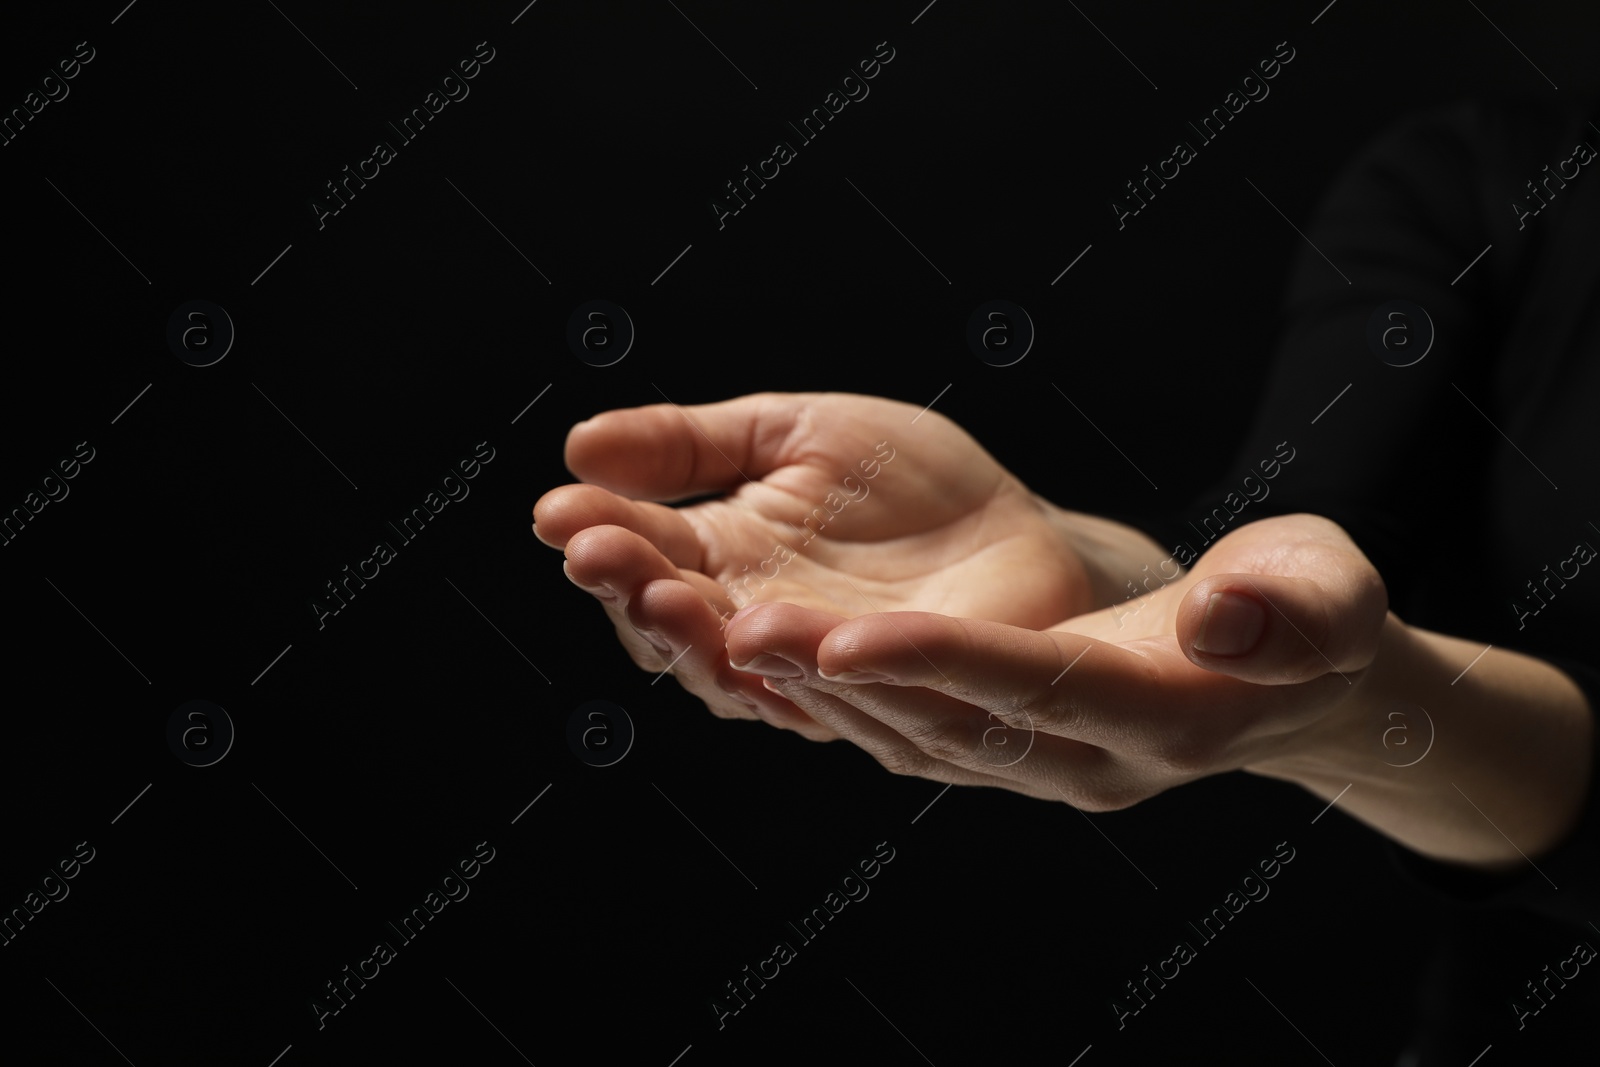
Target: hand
[
  {"x": 830, "y": 502},
  {"x": 1240, "y": 662}
]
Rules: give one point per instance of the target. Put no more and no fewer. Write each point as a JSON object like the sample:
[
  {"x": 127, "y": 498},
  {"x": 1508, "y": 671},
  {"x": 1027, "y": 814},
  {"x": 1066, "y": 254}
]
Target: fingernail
[
  {"x": 771, "y": 666},
  {"x": 857, "y": 677},
  {"x": 600, "y": 592},
  {"x": 656, "y": 641},
  {"x": 1232, "y": 626}
]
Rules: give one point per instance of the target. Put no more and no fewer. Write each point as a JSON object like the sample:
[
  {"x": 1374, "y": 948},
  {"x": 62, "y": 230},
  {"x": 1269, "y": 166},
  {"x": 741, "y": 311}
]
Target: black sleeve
[{"x": 1400, "y": 222}]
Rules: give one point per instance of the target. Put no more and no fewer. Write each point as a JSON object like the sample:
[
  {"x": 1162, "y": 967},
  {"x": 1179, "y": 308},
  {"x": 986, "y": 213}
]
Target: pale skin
[{"x": 931, "y": 619}]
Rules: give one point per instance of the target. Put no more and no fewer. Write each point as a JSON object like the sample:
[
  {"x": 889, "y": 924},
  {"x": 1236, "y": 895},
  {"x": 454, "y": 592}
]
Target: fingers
[
  {"x": 798, "y": 629},
  {"x": 668, "y": 452},
  {"x": 884, "y": 744},
  {"x": 915, "y": 731},
  {"x": 562, "y": 513},
  {"x": 1278, "y": 630},
  {"x": 1056, "y": 682},
  {"x": 699, "y": 661},
  {"x": 660, "y": 612},
  {"x": 614, "y": 566},
  {"x": 1060, "y": 683},
  {"x": 912, "y": 730},
  {"x": 678, "y": 616},
  {"x": 777, "y": 639},
  {"x": 612, "y": 561}
]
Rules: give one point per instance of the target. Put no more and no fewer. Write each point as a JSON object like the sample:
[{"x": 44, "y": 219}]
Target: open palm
[{"x": 836, "y": 502}]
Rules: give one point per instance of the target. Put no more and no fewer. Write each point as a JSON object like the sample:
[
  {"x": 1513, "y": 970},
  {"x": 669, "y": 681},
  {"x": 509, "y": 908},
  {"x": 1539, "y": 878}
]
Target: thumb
[{"x": 1277, "y": 630}]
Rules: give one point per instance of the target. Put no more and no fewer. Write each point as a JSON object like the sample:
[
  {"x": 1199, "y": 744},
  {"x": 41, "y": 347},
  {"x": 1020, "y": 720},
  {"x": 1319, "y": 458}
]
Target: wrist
[{"x": 1466, "y": 755}]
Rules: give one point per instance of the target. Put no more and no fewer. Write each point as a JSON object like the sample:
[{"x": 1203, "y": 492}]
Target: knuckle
[
  {"x": 1044, "y": 707},
  {"x": 904, "y": 760},
  {"x": 1108, "y": 790},
  {"x": 1187, "y": 750},
  {"x": 1320, "y": 628},
  {"x": 1314, "y": 651},
  {"x": 1079, "y": 795},
  {"x": 945, "y": 742},
  {"x": 723, "y": 704},
  {"x": 645, "y": 657},
  {"x": 1004, "y": 742}
]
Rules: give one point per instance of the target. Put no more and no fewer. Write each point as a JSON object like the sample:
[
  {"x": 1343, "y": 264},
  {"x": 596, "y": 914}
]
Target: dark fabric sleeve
[{"x": 1399, "y": 222}]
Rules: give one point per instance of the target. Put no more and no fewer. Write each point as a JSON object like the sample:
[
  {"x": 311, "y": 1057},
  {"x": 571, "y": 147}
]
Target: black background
[{"x": 407, "y": 330}]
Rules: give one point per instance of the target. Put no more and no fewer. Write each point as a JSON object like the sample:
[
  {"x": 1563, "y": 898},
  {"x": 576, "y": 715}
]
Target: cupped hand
[
  {"x": 1241, "y": 662},
  {"x": 830, "y": 502}
]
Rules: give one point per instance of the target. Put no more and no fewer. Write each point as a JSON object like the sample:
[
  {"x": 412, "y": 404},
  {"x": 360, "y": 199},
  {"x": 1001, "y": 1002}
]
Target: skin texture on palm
[{"x": 942, "y": 528}]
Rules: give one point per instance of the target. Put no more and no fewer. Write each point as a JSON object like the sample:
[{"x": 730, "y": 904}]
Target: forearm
[{"x": 1508, "y": 770}]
